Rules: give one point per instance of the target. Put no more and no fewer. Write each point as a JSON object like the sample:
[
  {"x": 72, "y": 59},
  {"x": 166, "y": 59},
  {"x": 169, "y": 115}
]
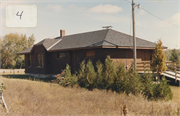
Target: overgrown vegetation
[
  {"x": 24, "y": 97},
  {"x": 113, "y": 76},
  {"x": 172, "y": 55}
]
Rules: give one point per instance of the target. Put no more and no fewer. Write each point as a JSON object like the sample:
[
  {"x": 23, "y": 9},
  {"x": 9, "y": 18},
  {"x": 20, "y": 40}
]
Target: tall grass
[{"x": 25, "y": 97}]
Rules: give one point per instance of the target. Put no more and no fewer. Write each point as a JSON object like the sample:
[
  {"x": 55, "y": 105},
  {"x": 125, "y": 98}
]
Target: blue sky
[{"x": 78, "y": 16}]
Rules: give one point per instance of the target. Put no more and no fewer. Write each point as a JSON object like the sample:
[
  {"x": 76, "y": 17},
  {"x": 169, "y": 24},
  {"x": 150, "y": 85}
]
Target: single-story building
[{"x": 50, "y": 56}]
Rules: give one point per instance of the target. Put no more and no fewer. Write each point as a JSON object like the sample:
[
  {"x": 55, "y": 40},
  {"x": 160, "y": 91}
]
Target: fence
[
  {"x": 12, "y": 71},
  {"x": 171, "y": 66},
  {"x": 143, "y": 66}
]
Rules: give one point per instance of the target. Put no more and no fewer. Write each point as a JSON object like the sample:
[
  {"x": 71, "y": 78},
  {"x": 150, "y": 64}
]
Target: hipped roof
[{"x": 107, "y": 38}]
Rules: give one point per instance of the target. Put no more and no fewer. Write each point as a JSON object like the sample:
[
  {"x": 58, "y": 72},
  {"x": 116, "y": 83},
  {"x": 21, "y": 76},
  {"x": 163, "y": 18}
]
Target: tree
[
  {"x": 158, "y": 59},
  {"x": 11, "y": 44},
  {"x": 174, "y": 56}
]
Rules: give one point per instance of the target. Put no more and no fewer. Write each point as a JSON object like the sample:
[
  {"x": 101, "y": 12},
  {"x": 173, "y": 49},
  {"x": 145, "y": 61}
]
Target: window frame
[
  {"x": 29, "y": 60},
  {"x": 40, "y": 60},
  {"x": 59, "y": 55}
]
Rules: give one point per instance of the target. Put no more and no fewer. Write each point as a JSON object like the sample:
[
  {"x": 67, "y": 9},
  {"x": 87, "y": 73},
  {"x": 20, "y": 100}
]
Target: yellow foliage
[{"x": 158, "y": 59}]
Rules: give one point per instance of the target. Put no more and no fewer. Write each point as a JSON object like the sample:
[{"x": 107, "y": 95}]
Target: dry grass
[
  {"x": 176, "y": 93},
  {"x": 24, "y": 97}
]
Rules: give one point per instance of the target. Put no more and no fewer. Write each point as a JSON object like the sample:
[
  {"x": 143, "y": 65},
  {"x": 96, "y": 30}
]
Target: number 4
[{"x": 19, "y": 15}]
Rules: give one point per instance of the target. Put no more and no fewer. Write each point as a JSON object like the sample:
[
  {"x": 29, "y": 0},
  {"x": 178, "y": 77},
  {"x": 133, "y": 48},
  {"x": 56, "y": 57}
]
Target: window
[
  {"x": 40, "y": 59},
  {"x": 60, "y": 55},
  {"x": 90, "y": 53},
  {"x": 29, "y": 60}
]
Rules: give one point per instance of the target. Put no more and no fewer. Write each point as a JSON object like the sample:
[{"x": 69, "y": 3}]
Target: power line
[
  {"x": 155, "y": 15},
  {"x": 128, "y": 1},
  {"x": 159, "y": 18}
]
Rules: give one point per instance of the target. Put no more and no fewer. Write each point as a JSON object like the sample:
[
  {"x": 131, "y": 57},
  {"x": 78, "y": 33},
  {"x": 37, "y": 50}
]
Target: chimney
[{"x": 62, "y": 33}]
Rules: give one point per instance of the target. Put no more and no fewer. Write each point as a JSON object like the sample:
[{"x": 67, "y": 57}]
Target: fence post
[
  {"x": 175, "y": 71},
  {"x": 144, "y": 67}
]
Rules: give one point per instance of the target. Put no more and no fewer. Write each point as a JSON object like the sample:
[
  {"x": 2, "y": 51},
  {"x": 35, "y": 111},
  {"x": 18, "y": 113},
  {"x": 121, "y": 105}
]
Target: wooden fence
[
  {"x": 146, "y": 66},
  {"x": 143, "y": 66},
  {"x": 12, "y": 71}
]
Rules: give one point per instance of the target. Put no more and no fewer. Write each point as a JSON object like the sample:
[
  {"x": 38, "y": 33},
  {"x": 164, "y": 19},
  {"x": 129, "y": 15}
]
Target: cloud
[
  {"x": 72, "y": 6},
  {"x": 55, "y": 8},
  {"x": 105, "y": 9},
  {"x": 173, "y": 20}
]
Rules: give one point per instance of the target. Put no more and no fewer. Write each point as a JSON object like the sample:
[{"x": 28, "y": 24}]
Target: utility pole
[{"x": 134, "y": 35}]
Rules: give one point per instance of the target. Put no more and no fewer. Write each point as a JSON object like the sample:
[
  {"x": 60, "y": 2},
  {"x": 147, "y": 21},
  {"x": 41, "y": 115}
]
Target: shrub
[
  {"x": 133, "y": 81},
  {"x": 65, "y": 78},
  {"x": 120, "y": 77},
  {"x": 100, "y": 80},
  {"x": 82, "y": 81},
  {"x": 147, "y": 85},
  {"x": 114, "y": 77},
  {"x": 110, "y": 73},
  {"x": 90, "y": 75},
  {"x": 59, "y": 78},
  {"x": 162, "y": 90}
]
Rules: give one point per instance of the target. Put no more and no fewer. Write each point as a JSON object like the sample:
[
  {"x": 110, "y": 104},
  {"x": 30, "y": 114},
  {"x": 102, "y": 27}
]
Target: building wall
[
  {"x": 34, "y": 61},
  {"x": 54, "y": 65},
  {"x": 126, "y": 55}
]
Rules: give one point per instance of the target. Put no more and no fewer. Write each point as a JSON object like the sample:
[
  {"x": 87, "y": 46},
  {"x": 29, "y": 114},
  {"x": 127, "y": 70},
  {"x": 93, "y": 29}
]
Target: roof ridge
[
  {"x": 54, "y": 44},
  {"x": 105, "y": 36},
  {"x": 84, "y": 33}
]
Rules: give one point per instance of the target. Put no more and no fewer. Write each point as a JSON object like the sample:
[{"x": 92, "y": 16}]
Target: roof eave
[{"x": 68, "y": 49}]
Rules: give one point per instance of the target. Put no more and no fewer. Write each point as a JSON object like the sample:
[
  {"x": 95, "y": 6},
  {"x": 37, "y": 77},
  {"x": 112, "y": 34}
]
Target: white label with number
[{"x": 21, "y": 16}]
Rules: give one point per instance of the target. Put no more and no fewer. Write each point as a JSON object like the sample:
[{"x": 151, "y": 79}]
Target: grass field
[
  {"x": 27, "y": 77},
  {"x": 27, "y": 97}
]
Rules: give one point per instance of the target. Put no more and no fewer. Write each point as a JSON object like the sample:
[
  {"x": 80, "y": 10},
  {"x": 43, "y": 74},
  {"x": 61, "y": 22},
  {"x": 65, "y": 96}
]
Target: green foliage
[
  {"x": 100, "y": 80},
  {"x": 147, "y": 85},
  {"x": 132, "y": 80},
  {"x": 113, "y": 76},
  {"x": 174, "y": 56},
  {"x": 162, "y": 90},
  {"x": 10, "y": 45},
  {"x": 90, "y": 75},
  {"x": 120, "y": 77},
  {"x": 82, "y": 81},
  {"x": 66, "y": 78},
  {"x": 110, "y": 72},
  {"x": 168, "y": 53},
  {"x": 158, "y": 59}
]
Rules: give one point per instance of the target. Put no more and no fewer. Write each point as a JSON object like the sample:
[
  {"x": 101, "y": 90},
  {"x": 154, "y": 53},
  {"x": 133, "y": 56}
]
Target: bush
[
  {"x": 100, "y": 80},
  {"x": 65, "y": 78},
  {"x": 110, "y": 73},
  {"x": 120, "y": 77},
  {"x": 82, "y": 81},
  {"x": 162, "y": 90},
  {"x": 147, "y": 87},
  {"x": 90, "y": 75},
  {"x": 132, "y": 81},
  {"x": 114, "y": 77}
]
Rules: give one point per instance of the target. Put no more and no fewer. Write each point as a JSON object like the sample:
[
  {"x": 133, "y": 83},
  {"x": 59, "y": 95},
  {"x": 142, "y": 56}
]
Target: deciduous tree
[
  {"x": 174, "y": 56},
  {"x": 11, "y": 44}
]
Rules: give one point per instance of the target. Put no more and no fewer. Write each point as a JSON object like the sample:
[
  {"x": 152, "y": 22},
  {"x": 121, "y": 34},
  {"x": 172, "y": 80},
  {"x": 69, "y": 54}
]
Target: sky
[{"x": 157, "y": 19}]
